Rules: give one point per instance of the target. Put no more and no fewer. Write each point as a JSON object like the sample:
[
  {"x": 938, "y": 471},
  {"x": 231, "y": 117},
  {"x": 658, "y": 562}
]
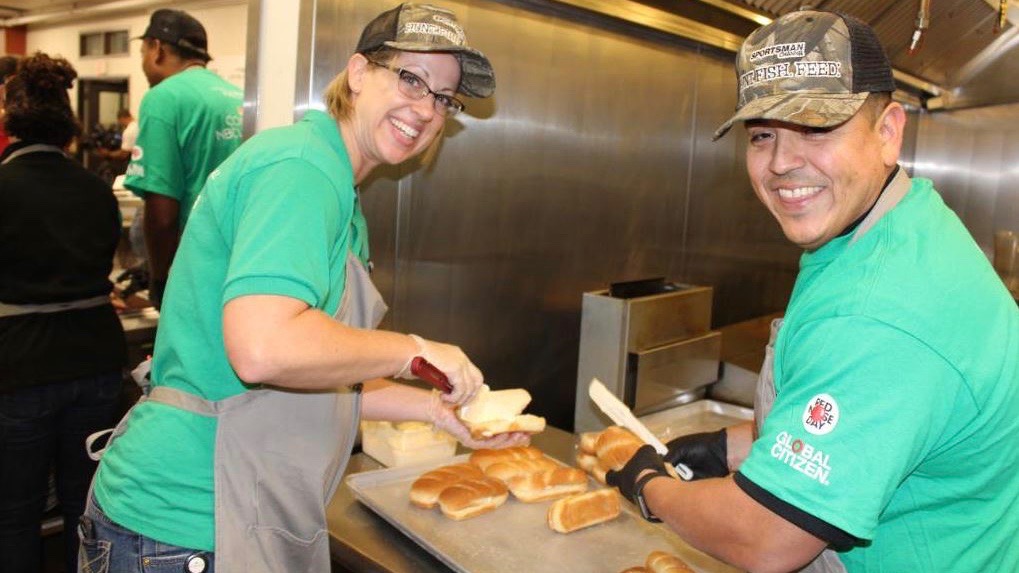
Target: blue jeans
[
  {"x": 43, "y": 427},
  {"x": 109, "y": 548}
]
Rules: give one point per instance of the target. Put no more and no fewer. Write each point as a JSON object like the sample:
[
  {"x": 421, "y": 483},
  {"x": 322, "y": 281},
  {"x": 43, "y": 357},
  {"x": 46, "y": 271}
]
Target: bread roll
[
  {"x": 548, "y": 484},
  {"x": 635, "y": 570},
  {"x": 496, "y": 412},
  {"x": 615, "y": 446},
  {"x": 583, "y": 510},
  {"x": 510, "y": 469},
  {"x": 527, "y": 423},
  {"x": 587, "y": 442},
  {"x": 425, "y": 490},
  {"x": 589, "y": 463},
  {"x": 662, "y": 562},
  {"x": 472, "y": 497},
  {"x": 484, "y": 458}
]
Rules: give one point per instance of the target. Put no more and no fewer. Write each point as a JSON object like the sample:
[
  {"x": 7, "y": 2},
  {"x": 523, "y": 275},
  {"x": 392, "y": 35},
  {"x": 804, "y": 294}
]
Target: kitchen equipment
[
  {"x": 650, "y": 342},
  {"x": 699, "y": 416},
  {"x": 622, "y": 416},
  {"x": 505, "y": 539}
]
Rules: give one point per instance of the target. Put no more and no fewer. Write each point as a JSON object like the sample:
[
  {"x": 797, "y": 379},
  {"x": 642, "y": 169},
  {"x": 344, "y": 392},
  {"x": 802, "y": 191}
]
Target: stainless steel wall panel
[
  {"x": 592, "y": 164},
  {"x": 971, "y": 157},
  {"x": 732, "y": 242}
]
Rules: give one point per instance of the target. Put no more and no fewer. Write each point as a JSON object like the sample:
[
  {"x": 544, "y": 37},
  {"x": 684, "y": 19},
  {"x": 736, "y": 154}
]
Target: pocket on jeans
[
  {"x": 93, "y": 556},
  {"x": 273, "y": 549}
]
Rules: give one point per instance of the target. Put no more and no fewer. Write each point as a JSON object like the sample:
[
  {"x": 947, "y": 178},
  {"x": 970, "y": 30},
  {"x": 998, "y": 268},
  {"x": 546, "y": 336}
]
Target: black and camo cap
[
  {"x": 810, "y": 68},
  {"x": 427, "y": 28}
]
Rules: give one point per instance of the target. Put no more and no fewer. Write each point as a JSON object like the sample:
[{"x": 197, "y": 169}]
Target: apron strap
[
  {"x": 891, "y": 196},
  {"x": 184, "y": 400},
  {"x": 35, "y": 148},
  {"x": 19, "y": 309}
]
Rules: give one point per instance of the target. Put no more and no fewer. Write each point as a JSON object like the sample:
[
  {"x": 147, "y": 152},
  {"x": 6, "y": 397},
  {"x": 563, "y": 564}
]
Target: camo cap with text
[
  {"x": 809, "y": 68},
  {"x": 427, "y": 28}
]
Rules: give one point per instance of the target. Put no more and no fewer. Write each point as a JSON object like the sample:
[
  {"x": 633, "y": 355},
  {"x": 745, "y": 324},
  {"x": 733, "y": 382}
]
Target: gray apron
[
  {"x": 279, "y": 457},
  {"x": 20, "y": 309},
  {"x": 764, "y": 394}
]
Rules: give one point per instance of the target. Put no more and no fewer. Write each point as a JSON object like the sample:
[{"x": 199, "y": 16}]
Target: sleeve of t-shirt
[
  {"x": 860, "y": 404},
  {"x": 157, "y": 165},
  {"x": 290, "y": 218}
]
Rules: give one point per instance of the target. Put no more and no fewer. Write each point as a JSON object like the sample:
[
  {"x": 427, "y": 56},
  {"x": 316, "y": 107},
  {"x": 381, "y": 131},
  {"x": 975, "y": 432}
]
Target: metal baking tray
[
  {"x": 699, "y": 416},
  {"x": 516, "y": 537}
]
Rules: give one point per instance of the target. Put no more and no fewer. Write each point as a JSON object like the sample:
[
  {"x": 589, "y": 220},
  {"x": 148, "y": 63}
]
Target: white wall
[{"x": 225, "y": 24}]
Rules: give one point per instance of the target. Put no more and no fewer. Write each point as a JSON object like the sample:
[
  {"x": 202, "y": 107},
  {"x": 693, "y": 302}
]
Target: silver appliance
[{"x": 650, "y": 342}]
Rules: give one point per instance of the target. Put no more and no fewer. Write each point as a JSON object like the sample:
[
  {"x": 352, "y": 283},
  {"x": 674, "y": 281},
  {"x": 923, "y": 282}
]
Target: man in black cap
[
  {"x": 190, "y": 121},
  {"x": 887, "y": 409}
]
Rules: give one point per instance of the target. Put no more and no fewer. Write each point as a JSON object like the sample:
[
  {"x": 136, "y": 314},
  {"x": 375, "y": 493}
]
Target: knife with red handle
[{"x": 426, "y": 371}]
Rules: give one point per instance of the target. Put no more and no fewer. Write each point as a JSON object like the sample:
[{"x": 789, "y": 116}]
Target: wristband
[{"x": 638, "y": 495}]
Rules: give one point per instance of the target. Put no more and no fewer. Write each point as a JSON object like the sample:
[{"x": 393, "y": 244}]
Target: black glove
[
  {"x": 705, "y": 454},
  {"x": 645, "y": 458}
]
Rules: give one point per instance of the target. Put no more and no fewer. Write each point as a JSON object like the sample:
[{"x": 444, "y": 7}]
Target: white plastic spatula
[{"x": 622, "y": 416}]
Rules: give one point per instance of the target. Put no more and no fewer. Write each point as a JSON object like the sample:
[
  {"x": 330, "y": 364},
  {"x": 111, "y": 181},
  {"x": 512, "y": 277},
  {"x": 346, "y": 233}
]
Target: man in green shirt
[
  {"x": 190, "y": 121},
  {"x": 888, "y": 405}
]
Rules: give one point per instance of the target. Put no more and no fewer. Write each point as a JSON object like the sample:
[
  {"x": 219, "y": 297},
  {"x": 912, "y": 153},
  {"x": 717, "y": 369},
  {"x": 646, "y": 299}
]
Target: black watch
[{"x": 638, "y": 494}]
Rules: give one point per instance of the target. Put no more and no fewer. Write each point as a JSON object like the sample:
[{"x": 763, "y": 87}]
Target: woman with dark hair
[{"x": 62, "y": 347}]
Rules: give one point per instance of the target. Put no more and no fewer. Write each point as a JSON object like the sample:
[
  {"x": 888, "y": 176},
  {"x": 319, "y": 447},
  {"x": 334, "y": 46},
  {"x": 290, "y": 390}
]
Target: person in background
[
  {"x": 128, "y": 136},
  {"x": 62, "y": 347},
  {"x": 190, "y": 122},
  {"x": 267, "y": 354},
  {"x": 887, "y": 412},
  {"x": 8, "y": 65}
]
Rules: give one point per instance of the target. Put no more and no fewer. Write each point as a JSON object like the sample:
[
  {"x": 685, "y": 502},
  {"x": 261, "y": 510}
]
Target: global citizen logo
[
  {"x": 821, "y": 415},
  {"x": 802, "y": 457}
]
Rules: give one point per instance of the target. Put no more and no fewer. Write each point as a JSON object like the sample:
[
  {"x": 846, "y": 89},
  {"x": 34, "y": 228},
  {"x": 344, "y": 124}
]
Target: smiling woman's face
[{"x": 390, "y": 127}]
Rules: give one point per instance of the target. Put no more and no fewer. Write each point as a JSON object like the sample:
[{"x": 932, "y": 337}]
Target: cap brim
[
  {"x": 477, "y": 79},
  {"x": 811, "y": 110}
]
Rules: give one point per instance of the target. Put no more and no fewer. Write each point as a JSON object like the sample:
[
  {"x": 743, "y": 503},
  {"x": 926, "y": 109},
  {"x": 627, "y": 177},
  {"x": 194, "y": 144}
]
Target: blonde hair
[{"x": 339, "y": 101}]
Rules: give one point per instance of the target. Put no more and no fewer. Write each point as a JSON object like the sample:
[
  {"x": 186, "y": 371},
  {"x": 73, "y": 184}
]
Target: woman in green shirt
[{"x": 266, "y": 354}]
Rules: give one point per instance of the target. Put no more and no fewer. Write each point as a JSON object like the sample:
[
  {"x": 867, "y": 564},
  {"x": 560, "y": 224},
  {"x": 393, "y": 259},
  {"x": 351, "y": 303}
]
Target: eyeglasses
[{"x": 412, "y": 86}]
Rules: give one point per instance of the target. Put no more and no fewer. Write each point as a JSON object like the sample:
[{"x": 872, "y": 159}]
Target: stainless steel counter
[{"x": 360, "y": 540}]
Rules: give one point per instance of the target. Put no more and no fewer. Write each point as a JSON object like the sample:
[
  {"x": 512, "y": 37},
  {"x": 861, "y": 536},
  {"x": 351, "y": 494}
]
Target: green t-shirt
[
  {"x": 189, "y": 123},
  {"x": 278, "y": 217},
  {"x": 897, "y": 409}
]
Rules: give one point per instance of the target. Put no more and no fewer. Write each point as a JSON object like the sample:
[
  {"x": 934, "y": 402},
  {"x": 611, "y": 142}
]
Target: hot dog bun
[
  {"x": 472, "y": 497},
  {"x": 662, "y": 562},
  {"x": 583, "y": 510},
  {"x": 548, "y": 484},
  {"x": 484, "y": 458},
  {"x": 425, "y": 490},
  {"x": 496, "y": 412}
]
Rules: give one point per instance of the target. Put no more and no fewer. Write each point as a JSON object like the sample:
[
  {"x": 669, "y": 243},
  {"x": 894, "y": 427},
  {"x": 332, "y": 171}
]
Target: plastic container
[{"x": 405, "y": 443}]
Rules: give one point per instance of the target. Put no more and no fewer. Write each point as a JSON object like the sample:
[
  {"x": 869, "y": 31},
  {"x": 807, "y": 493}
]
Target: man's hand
[
  {"x": 644, "y": 461},
  {"x": 706, "y": 454}
]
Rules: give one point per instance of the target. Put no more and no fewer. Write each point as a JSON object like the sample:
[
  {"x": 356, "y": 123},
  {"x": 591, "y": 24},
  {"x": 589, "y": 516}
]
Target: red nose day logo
[{"x": 821, "y": 415}]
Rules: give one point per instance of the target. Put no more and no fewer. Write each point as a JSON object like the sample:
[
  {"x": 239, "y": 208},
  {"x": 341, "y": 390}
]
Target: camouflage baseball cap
[
  {"x": 809, "y": 68},
  {"x": 427, "y": 28}
]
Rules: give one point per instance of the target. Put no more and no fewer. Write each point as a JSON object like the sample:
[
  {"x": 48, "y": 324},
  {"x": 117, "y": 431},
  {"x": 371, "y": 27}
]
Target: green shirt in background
[
  {"x": 188, "y": 124},
  {"x": 897, "y": 409},
  {"x": 277, "y": 218}
]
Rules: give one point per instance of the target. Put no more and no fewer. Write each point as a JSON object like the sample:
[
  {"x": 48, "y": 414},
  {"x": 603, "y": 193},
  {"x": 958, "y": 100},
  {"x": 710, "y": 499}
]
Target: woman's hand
[
  {"x": 444, "y": 417},
  {"x": 463, "y": 375}
]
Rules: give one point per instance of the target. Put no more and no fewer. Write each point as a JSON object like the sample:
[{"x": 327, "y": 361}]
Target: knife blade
[{"x": 622, "y": 416}]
